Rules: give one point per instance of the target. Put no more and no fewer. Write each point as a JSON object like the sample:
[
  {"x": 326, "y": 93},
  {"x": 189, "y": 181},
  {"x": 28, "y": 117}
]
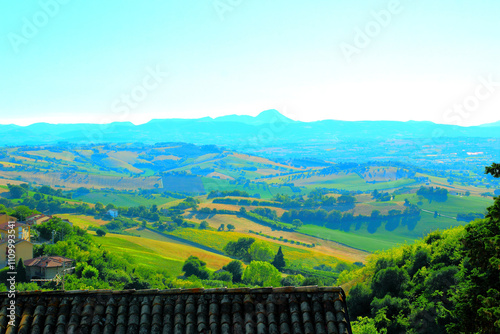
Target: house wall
[{"x": 24, "y": 250}]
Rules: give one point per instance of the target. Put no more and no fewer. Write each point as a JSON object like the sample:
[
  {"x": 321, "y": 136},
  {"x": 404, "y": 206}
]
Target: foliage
[
  {"x": 223, "y": 275},
  {"x": 260, "y": 251},
  {"x": 195, "y": 266},
  {"x": 293, "y": 280},
  {"x": 262, "y": 274},
  {"x": 56, "y": 228},
  {"x": 235, "y": 267},
  {"x": 100, "y": 232},
  {"x": 21, "y": 272},
  {"x": 240, "y": 248},
  {"x": 279, "y": 260},
  {"x": 16, "y": 191}
]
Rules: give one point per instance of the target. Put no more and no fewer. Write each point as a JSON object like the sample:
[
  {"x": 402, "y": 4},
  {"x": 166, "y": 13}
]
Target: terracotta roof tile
[{"x": 264, "y": 310}]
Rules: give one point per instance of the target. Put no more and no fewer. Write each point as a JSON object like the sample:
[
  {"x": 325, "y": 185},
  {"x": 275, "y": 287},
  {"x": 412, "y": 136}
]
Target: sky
[{"x": 68, "y": 61}]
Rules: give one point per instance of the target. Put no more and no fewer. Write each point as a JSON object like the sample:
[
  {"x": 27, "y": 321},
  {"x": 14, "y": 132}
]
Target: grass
[
  {"x": 454, "y": 204},
  {"x": 83, "y": 221},
  {"x": 243, "y": 225},
  {"x": 158, "y": 254},
  {"x": 295, "y": 255},
  {"x": 124, "y": 200},
  {"x": 352, "y": 239}
]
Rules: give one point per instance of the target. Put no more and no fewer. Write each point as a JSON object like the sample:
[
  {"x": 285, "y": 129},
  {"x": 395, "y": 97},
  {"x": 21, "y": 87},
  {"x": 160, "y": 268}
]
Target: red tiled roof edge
[{"x": 267, "y": 290}]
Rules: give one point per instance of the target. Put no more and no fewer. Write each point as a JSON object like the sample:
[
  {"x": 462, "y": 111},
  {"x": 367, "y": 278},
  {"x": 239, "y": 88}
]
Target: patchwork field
[
  {"x": 243, "y": 225},
  {"x": 158, "y": 253}
]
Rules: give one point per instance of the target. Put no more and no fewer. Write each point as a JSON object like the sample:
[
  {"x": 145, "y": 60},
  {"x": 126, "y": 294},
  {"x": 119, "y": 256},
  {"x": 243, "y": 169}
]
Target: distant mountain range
[{"x": 268, "y": 129}]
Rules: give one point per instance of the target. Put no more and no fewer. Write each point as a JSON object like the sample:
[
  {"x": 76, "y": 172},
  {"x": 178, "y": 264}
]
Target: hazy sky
[{"x": 101, "y": 61}]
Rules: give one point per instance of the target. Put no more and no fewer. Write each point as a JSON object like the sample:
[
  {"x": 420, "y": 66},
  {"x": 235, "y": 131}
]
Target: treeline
[
  {"x": 343, "y": 221},
  {"x": 468, "y": 217},
  {"x": 433, "y": 194},
  {"x": 226, "y": 193},
  {"x": 245, "y": 202}
]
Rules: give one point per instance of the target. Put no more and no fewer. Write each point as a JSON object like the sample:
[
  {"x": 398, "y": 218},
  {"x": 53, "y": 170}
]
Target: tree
[
  {"x": 480, "y": 291},
  {"x": 293, "y": 280},
  {"x": 223, "y": 275},
  {"x": 221, "y": 227},
  {"x": 203, "y": 225},
  {"x": 262, "y": 274},
  {"x": 358, "y": 303},
  {"x": 260, "y": 251},
  {"x": 494, "y": 170},
  {"x": 230, "y": 227},
  {"x": 239, "y": 249},
  {"x": 21, "y": 272},
  {"x": 22, "y": 212},
  {"x": 100, "y": 232},
  {"x": 16, "y": 191},
  {"x": 297, "y": 223},
  {"x": 391, "y": 281},
  {"x": 195, "y": 266},
  {"x": 99, "y": 207},
  {"x": 279, "y": 260},
  {"x": 90, "y": 272},
  {"x": 235, "y": 267}
]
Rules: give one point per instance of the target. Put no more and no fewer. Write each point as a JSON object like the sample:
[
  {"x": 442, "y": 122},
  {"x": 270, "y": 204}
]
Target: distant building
[
  {"x": 23, "y": 246},
  {"x": 37, "y": 219},
  {"x": 47, "y": 267},
  {"x": 113, "y": 213}
]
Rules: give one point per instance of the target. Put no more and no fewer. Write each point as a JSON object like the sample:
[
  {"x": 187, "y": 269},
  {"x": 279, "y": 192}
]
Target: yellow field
[
  {"x": 65, "y": 156},
  {"x": 83, "y": 180},
  {"x": 232, "y": 207},
  {"x": 243, "y": 225},
  {"x": 82, "y": 221},
  {"x": 153, "y": 252},
  {"x": 262, "y": 161}
]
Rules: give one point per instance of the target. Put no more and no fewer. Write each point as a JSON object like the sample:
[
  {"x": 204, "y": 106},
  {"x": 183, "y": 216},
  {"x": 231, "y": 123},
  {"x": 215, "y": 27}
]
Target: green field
[
  {"x": 123, "y": 200},
  {"x": 454, "y": 204},
  {"x": 156, "y": 254},
  {"x": 299, "y": 256},
  {"x": 358, "y": 239}
]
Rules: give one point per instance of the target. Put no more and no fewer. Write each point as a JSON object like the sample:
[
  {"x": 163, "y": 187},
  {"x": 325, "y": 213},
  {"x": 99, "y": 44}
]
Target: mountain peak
[{"x": 271, "y": 115}]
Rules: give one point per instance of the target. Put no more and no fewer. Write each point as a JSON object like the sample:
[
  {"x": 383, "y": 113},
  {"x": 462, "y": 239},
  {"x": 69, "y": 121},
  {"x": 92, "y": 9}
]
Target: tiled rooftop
[
  {"x": 216, "y": 311},
  {"x": 48, "y": 261}
]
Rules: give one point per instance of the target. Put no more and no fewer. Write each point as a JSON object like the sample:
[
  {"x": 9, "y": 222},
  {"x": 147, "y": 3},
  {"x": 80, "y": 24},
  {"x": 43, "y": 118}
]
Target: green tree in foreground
[
  {"x": 480, "y": 292},
  {"x": 203, "y": 225},
  {"x": 260, "y": 251},
  {"x": 262, "y": 274},
  {"x": 279, "y": 260},
  {"x": 195, "y": 266},
  {"x": 235, "y": 267}
]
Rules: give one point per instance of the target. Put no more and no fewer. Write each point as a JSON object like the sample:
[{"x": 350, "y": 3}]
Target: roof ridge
[{"x": 267, "y": 290}]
